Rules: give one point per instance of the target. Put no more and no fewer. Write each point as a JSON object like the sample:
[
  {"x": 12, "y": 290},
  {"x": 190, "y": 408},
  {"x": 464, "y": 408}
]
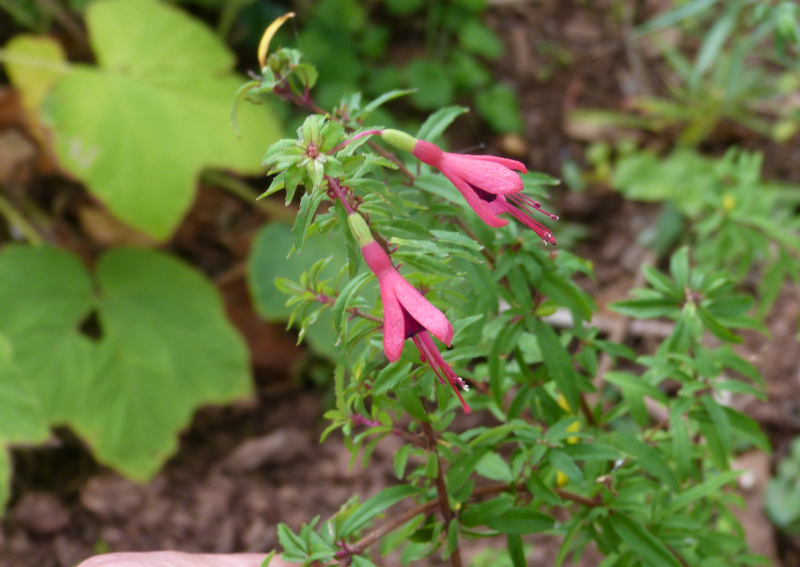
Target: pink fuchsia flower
[
  {"x": 406, "y": 312},
  {"x": 488, "y": 183}
]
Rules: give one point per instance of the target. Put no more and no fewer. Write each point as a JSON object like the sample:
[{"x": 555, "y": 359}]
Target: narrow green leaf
[
  {"x": 389, "y": 377},
  {"x": 720, "y": 420},
  {"x": 562, "y": 462},
  {"x": 643, "y": 543},
  {"x": 635, "y": 385},
  {"x": 438, "y": 122},
  {"x": 675, "y": 16},
  {"x": 716, "y": 328},
  {"x": 679, "y": 267},
  {"x": 384, "y": 98},
  {"x": 515, "y": 550},
  {"x": 410, "y": 401},
  {"x": 559, "y": 364},
  {"x": 342, "y": 302},
  {"x": 566, "y": 293},
  {"x": 660, "y": 282},
  {"x": 646, "y": 308},
  {"x": 648, "y": 458},
  {"x": 702, "y": 490},
  {"x": 714, "y": 40},
  {"x": 374, "y": 506},
  {"x": 519, "y": 521},
  {"x": 492, "y": 466}
]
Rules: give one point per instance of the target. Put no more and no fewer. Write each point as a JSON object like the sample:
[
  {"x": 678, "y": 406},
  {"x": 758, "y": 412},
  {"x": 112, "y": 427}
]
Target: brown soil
[{"x": 244, "y": 468}]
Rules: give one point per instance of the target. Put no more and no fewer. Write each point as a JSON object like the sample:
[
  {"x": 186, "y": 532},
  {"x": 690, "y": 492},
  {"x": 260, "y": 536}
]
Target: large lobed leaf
[
  {"x": 140, "y": 126},
  {"x": 162, "y": 347}
]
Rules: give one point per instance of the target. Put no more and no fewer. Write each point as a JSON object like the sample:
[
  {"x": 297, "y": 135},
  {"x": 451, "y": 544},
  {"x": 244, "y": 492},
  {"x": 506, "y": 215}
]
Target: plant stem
[
  {"x": 361, "y": 545},
  {"x": 16, "y": 218},
  {"x": 327, "y": 299},
  {"x": 246, "y": 193},
  {"x": 337, "y": 190},
  {"x": 441, "y": 491}
]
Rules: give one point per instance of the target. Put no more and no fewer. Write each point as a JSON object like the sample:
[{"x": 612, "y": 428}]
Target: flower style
[
  {"x": 406, "y": 312},
  {"x": 488, "y": 183}
]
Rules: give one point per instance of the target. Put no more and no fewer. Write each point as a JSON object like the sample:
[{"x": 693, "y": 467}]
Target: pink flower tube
[
  {"x": 406, "y": 312},
  {"x": 488, "y": 183}
]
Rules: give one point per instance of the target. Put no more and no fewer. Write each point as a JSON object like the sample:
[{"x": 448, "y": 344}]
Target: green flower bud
[
  {"x": 359, "y": 229},
  {"x": 400, "y": 139}
]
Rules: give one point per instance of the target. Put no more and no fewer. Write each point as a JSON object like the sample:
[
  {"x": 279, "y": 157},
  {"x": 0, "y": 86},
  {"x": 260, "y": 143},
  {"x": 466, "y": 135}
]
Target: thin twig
[{"x": 441, "y": 491}]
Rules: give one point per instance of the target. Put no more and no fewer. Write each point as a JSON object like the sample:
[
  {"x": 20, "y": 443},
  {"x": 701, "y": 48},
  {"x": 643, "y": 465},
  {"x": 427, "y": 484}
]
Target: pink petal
[
  {"x": 484, "y": 210},
  {"x": 505, "y": 162},
  {"x": 394, "y": 329},
  {"x": 421, "y": 309},
  {"x": 484, "y": 174}
]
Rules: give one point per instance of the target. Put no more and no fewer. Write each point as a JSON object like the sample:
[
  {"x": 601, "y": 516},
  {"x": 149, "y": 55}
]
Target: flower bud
[
  {"x": 399, "y": 139},
  {"x": 359, "y": 229}
]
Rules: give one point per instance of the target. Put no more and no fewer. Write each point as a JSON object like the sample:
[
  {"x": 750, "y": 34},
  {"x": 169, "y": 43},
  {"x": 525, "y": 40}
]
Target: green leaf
[
  {"x": 438, "y": 122},
  {"x": 679, "y": 267},
  {"x": 636, "y": 386},
  {"x": 45, "y": 294},
  {"x": 687, "y": 10},
  {"x": 515, "y": 550},
  {"x": 720, "y": 420},
  {"x": 662, "y": 283},
  {"x": 642, "y": 542},
  {"x": 559, "y": 364},
  {"x": 268, "y": 261},
  {"x": 647, "y": 457},
  {"x": 166, "y": 349},
  {"x": 5, "y": 478},
  {"x": 562, "y": 462},
  {"x": 23, "y": 418},
  {"x": 34, "y": 81},
  {"x": 714, "y": 40},
  {"x": 695, "y": 493},
  {"x": 646, "y": 308},
  {"x": 140, "y": 126},
  {"x": 432, "y": 86},
  {"x": 519, "y": 521},
  {"x": 716, "y": 328},
  {"x": 499, "y": 106},
  {"x": 305, "y": 216},
  {"x": 374, "y": 506},
  {"x": 384, "y": 98},
  {"x": 479, "y": 39},
  {"x": 566, "y": 293},
  {"x": 492, "y": 466},
  {"x": 23, "y": 415}
]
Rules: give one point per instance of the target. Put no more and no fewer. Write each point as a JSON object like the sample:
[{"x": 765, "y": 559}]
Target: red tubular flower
[
  {"x": 488, "y": 183},
  {"x": 406, "y": 312}
]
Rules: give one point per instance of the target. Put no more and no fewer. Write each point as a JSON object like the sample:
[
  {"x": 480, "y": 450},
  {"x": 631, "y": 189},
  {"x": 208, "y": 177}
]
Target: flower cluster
[{"x": 491, "y": 187}]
